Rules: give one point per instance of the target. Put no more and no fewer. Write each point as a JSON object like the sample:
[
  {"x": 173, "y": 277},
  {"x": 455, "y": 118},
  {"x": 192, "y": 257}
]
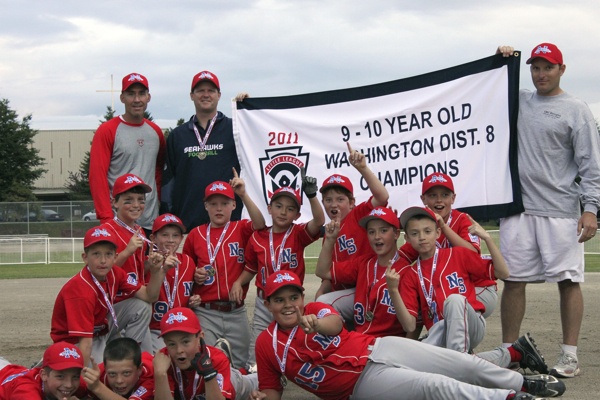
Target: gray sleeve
[{"x": 586, "y": 144}]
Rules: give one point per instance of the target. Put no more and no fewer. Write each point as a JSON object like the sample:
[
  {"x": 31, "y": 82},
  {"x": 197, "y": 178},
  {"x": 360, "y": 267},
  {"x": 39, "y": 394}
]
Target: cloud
[{"x": 57, "y": 55}]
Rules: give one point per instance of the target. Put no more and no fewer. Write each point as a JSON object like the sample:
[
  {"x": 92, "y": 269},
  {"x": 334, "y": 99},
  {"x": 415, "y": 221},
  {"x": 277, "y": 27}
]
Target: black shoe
[
  {"x": 223, "y": 345},
  {"x": 543, "y": 385},
  {"x": 532, "y": 358},
  {"x": 524, "y": 396}
]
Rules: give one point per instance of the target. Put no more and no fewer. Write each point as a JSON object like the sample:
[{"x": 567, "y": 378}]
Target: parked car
[
  {"x": 45, "y": 215},
  {"x": 91, "y": 216}
]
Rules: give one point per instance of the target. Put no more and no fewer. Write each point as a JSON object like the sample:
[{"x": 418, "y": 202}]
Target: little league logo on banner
[
  {"x": 460, "y": 121},
  {"x": 281, "y": 167}
]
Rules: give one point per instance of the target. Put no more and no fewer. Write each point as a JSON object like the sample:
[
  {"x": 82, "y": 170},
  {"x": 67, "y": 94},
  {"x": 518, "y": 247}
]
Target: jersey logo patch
[
  {"x": 455, "y": 282},
  {"x": 346, "y": 244}
]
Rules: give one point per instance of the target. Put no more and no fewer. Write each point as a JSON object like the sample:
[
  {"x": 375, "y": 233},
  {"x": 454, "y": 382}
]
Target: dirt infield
[{"x": 27, "y": 307}]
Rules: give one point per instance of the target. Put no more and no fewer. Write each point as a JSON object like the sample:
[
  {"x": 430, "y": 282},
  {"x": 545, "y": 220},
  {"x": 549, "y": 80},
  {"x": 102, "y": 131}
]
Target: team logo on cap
[
  {"x": 179, "y": 317},
  {"x": 437, "y": 178},
  {"x": 135, "y": 77},
  {"x": 542, "y": 49},
  {"x": 281, "y": 168},
  {"x": 280, "y": 278},
  {"x": 377, "y": 212},
  {"x": 170, "y": 218},
  {"x": 336, "y": 179},
  {"x": 100, "y": 232},
  {"x": 217, "y": 187},
  {"x": 206, "y": 75},
  {"x": 132, "y": 179},
  {"x": 68, "y": 353}
]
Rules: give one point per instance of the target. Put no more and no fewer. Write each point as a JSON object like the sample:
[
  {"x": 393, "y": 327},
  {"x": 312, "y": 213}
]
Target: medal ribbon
[
  {"x": 428, "y": 296},
  {"x": 394, "y": 259},
  {"x": 212, "y": 256},
  {"x": 130, "y": 229},
  {"x": 171, "y": 296},
  {"x": 202, "y": 143},
  {"x": 277, "y": 265},
  {"x": 180, "y": 384},
  {"x": 106, "y": 299},
  {"x": 282, "y": 361}
]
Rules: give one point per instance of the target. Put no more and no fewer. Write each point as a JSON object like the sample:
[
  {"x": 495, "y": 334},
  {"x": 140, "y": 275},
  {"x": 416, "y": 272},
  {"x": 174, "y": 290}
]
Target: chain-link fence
[{"x": 44, "y": 249}]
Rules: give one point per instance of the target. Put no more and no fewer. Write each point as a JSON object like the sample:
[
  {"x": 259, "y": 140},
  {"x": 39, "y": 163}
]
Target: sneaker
[
  {"x": 523, "y": 396},
  {"x": 252, "y": 369},
  {"x": 532, "y": 358},
  {"x": 543, "y": 385},
  {"x": 567, "y": 366},
  {"x": 223, "y": 345}
]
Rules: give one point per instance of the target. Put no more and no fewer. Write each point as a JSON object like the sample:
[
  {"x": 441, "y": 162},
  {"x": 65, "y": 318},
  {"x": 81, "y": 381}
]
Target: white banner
[{"x": 456, "y": 121}]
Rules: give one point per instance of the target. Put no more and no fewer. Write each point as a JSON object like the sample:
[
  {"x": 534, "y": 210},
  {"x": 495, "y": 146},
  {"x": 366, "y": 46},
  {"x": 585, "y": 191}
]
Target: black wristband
[{"x": 311, "y": 195}]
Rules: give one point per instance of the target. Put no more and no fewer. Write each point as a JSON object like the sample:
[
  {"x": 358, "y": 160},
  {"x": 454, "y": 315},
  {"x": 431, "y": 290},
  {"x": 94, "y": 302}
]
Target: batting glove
[
  {"x": 309, "y": 185},
  {"x": 203, "y": 364}
]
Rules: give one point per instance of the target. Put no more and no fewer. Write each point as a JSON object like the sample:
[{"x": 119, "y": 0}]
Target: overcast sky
[{"x": 56, "y": 55}]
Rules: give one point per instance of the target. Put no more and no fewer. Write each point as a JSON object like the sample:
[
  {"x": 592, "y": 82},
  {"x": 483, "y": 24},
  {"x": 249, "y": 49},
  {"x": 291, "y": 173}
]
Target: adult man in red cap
[
  {"x": 558, "y": 142},
  {"x": 127, "y": 144},
  {"x": 201, "y": 151}
]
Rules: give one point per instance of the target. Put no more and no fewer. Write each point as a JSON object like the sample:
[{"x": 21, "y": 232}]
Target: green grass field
[{"x": 65, "y": 270}]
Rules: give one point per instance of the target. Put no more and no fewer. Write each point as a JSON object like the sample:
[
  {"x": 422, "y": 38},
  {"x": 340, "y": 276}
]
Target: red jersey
[
  {"x": 258, "y": 253},
  {"x": 352, "y": 240},
  {"x": 144, "y": 390},
  {"x": 229, "y": 258},
  {"x": 134, "y": 265},
  {"x": 327, "y": 366},
  {"x": 374, "y": 312},
  {"x": 219, "y": 362},
  {"x": 80, "y": 309},
  {"x": 456, "y": 269},
  {"x": 179, "y": 293},
  {"x": 20, "y": 383}
]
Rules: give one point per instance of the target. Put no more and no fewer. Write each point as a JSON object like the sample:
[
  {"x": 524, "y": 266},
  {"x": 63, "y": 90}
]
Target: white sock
[
  {"x": 569, "y": 349},
  {"x": 506, "y": 345}
]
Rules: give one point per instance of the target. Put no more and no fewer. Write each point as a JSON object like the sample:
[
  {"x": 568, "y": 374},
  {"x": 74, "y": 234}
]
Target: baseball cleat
[
  {"x": 532, "y": 358},
  {"x": 223, "y": 345},
  {"x": 543, "y": 385},
  {"x": 567, "y": 366}
]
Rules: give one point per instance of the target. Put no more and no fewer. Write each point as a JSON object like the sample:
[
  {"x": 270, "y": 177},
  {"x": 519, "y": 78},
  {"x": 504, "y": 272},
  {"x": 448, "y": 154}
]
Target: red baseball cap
[
  {"x": 132, "y": 78},
  {"x": 289, "y": 192},
  {"x": 383, "y": 213},
  {"x": 279, "y": 279},
  {"x": 437, "y": 179},
  {"x": 98, "y": 234},
  {"x": 219, "y": 187},
  {"x": 127, "y": 182},
  {"x": 547, "y": 51},
  {"x": 179, "y": 319},
  {"x": 167, "y": 219},
  {"x": 337, "y": 180},
  {"x": 61, "y": 356},
  {"x": 205, "y": 76},
  {"x": 413, "y": 212}
]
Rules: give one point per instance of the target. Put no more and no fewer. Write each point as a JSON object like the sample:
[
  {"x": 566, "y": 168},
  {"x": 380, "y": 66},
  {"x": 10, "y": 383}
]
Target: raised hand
[
  {"x": 91, "y": 375},
  {"x": 392, "y": 277},
  {"x": 476, "y": 229},
  {"x": 237, "y": 184},
  {"x": 309, "y": 184},
  {"x": 203, "y": 364},
  {"x": 356, "y": 158},
  {"x": 308, "y": 322}
]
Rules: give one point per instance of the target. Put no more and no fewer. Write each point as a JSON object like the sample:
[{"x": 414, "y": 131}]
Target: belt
[{"x": 223, "y": 306}]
